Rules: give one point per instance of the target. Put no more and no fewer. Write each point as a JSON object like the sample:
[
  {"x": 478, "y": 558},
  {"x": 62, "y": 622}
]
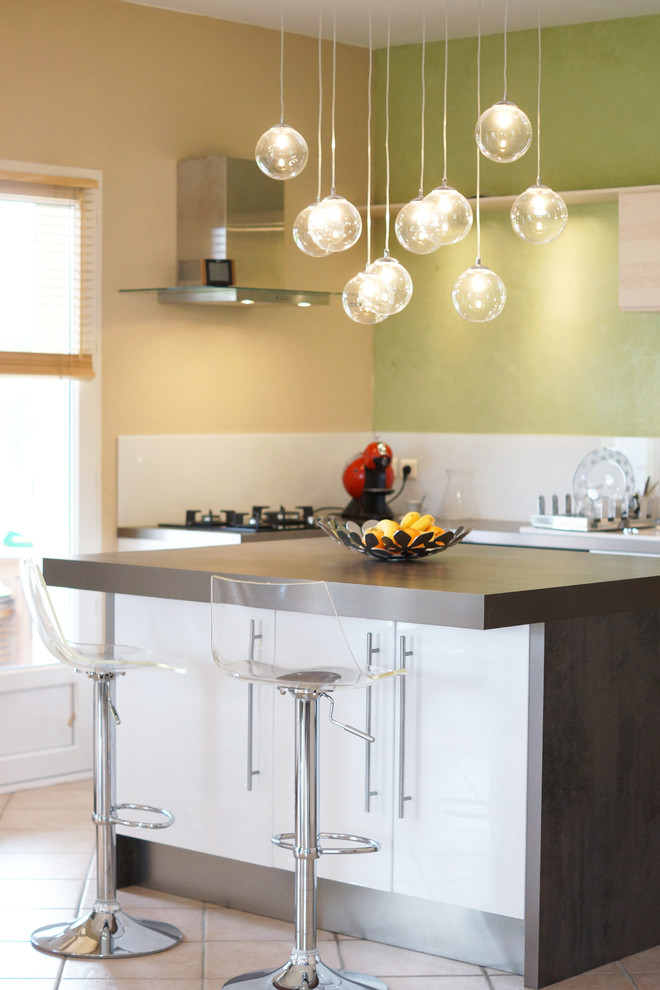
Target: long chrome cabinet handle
[
  {"x": 254, "y": 636},
  {"x": 403, "y": 797},
  {"x": 368, "y": 793}
]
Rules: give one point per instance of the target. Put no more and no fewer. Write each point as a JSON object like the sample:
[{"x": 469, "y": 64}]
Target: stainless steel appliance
[{"x": 261, "y": 519}]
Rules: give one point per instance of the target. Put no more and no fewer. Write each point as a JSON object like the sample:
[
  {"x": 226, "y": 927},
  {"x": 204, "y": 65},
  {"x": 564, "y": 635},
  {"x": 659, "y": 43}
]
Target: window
[
  {"x": 47, "y": 271},
  {"x": 49, "y": 395}
]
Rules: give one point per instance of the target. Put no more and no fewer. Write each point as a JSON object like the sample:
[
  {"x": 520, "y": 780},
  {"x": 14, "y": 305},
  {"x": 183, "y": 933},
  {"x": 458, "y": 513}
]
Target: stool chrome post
[
  {"x": 107, "y": 931},
  {"x": 304, "y": 969}
]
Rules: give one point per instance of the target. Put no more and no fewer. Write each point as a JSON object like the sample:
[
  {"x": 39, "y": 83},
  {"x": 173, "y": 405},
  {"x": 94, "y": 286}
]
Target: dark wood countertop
[{"x": 477, "y": 587}]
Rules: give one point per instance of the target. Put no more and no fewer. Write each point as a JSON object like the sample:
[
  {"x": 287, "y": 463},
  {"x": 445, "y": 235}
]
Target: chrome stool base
[
  {"x": 300, "y": 977},
  {"x": 106, "y": 933}
]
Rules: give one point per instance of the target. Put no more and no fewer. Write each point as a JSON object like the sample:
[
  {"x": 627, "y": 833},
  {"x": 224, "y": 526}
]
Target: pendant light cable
[
  {"x": 320, "y": 116},
  {"x": 281, "y": 63},
  {"x": 478, "y": 211},
  {"x": 387, "y": 133},
  {"x": 506, "y": 22},
  {"x": 444, "y": 104},
  {"x": 369, "y": 114},
  {"x": 538, "y": 102},
  {"x": 422, "y": 137},
  {"x": 334, "y": 93}
]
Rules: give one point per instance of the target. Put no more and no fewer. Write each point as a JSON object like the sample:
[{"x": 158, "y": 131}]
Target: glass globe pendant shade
[
  {"x": 366, "y": 299},
  {"x": 396, "y": 279},
  {"x": 503, "y": 132},
  {"x": 478, "y": 294},
  {"x": 413, "y": 226},
  {"x": 334, "y": 224},
  {"x": 539, "y": 215},
  {"x": 302, "y": 237},
  {"x": 281, "y": 152},
  {"x": 451, "y": 215}
]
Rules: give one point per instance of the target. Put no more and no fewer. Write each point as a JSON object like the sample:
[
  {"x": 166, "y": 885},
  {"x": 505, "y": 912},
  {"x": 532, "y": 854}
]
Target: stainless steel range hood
[{"x": 228, "y": 209}]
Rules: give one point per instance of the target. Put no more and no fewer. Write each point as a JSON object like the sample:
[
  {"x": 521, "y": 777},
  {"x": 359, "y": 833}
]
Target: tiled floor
[{"x": 46, "y": 862}]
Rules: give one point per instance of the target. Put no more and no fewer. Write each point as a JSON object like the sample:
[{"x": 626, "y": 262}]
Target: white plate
[{"x": 604, "y": 473}]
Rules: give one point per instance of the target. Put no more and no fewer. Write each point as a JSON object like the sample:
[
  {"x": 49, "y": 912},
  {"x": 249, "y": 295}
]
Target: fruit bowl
[{"x": 400, "y": 545}]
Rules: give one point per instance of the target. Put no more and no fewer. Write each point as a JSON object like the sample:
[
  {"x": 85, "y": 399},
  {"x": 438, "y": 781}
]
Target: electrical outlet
[{"x": 410, "y": 462}]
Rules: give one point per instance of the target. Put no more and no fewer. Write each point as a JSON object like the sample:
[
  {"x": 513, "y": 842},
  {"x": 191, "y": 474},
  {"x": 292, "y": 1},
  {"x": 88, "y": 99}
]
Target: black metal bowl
[{"x": 400, "y": 547}]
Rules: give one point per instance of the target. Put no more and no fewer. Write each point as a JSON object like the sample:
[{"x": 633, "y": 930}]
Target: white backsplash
[{"x": 501, "y": 475}]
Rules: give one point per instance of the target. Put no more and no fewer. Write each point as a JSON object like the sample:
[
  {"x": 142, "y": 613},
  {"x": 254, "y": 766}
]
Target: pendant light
[
  {"x": 301, "y": 234},
  {"x": 479, "y": 293},
  {"x": 414, "y": 219},
  {"x": 503, "y": 132},
  {"x": 391, "y": 274},
  {"x": 539, "y": 215},
  {"x": 365, "y": 299},
  {"x": 451, "y": 214},
  {"x": 281, "y": 152},
  {"x": 334, "y": 224}
]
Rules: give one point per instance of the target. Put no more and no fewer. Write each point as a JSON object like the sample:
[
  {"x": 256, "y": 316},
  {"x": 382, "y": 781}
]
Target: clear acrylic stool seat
[
  {"x": 308, "y": 657},
  {"x": 106, "y": 931}
]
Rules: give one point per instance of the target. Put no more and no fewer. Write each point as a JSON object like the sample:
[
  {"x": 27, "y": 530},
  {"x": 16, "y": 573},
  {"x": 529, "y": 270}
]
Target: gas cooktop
[{"x": 261, "y": 519}]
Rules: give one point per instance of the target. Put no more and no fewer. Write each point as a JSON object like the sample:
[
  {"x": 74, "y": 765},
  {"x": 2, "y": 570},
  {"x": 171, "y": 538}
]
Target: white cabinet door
[
  {"x": 183, "y": 741},
  {"x": 348, "y": 765},
  {"x": 461, "y": 839}
]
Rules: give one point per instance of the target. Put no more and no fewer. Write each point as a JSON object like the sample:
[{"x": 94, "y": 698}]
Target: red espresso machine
[{"x": 368, "y": 479}]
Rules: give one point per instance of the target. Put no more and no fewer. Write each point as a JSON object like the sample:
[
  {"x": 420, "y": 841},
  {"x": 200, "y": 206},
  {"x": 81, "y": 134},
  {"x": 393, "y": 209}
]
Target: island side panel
[{"x": 599, "y": 855}]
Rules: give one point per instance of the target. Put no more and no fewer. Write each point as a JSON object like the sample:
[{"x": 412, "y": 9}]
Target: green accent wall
[{"x": 561, "y": 358}]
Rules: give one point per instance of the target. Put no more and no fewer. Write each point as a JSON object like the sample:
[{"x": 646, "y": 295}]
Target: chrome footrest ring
[
  {"x": 285, "y": 841},
  {"x": 113, "y": 818}
]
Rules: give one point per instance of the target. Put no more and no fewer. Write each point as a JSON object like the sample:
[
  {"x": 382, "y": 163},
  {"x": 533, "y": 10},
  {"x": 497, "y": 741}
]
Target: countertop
[
  {"x": 470, "y": 586},
  {"x": 498, "y": 532}
]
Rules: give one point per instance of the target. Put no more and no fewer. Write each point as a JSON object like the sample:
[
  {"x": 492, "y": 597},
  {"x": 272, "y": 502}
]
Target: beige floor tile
[
  {"x": 135, "y": 899},
  {"x": 63, "y": 894},
  {"x": 225, "y": 959},
  {"x": 388, "y": 960},
  {"x": 20, "y": 960},
  {"x": 4, "y": 801},
  {"x": 647, "y": 981},
  {"x": 21, "y": 984},
  {"x": 35, "y": 866},
  {"x": 183, "y": 962},
  {"x": 17, "y": 924},
  {"x": 437, "y": 983},
  {"x": 33, "y": 841},
  {"x": 46, "y": 819},
  {"x": 78, "y": 794},
  {"x": 224, "y": 924},
  {"x": 116, "y": 983},
  {"x": 643, "y": 962},
  {"x": 506, "y": 981}
]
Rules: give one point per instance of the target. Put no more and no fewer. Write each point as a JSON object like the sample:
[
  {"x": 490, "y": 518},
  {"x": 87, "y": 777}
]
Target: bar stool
[
  {"x": 307, "y": 656},
  {"x": 106, "y": 931}
]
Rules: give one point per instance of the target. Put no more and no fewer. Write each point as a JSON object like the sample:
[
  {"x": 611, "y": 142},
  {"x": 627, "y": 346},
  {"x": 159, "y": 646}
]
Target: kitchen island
[{"x": 530, "y": 840}]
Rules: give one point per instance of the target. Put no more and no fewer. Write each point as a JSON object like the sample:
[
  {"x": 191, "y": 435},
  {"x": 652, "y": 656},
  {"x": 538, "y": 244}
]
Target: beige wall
[{"x": 131, "y": 90}]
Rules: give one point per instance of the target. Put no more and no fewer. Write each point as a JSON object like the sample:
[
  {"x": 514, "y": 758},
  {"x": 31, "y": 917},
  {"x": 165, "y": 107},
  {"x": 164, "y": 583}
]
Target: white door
[
  {"x": 191, "y": 733},
  {"x": 459, "y": 828},
  {"x": 45, "y": 711}
]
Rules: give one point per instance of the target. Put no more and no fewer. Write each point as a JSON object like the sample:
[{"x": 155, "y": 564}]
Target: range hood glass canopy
[{"x": 228, "y": 209}]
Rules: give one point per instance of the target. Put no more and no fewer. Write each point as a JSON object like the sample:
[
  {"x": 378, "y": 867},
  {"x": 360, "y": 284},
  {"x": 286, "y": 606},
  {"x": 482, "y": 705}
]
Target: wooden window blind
[{"x": 48, "y": 253}]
